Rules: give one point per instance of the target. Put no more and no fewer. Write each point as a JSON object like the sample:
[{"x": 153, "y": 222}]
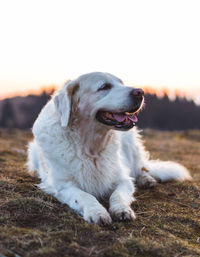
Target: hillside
[{"x": 33, "y": 223}]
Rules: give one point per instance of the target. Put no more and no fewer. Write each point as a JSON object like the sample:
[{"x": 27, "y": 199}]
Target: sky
[{"x": 144, "y": 42}]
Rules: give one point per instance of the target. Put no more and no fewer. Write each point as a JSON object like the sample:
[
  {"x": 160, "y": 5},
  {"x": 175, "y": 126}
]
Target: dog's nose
[{"x": 137, "y": 92}]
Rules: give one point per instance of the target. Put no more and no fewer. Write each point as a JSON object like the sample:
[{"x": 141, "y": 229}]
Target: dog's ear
[{"x": 63, "y": 100}]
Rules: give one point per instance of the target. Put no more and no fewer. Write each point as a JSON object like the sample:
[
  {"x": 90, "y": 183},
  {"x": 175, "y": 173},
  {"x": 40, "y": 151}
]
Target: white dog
[{"x": 82, "y": 153}]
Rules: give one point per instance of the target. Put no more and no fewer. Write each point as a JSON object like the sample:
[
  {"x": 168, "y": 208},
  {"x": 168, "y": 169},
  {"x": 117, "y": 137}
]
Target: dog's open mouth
[{"x": 121, "y": 121}]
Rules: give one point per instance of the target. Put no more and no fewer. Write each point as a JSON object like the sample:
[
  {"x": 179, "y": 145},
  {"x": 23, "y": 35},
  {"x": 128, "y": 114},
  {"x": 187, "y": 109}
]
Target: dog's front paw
[
  {"x": 122, "y": 213},
  {"x": 98, "y": 216}
]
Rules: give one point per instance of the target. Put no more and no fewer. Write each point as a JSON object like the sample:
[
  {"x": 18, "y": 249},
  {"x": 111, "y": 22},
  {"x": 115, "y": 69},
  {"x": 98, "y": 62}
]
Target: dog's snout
[{"x": 137, "y": 92}]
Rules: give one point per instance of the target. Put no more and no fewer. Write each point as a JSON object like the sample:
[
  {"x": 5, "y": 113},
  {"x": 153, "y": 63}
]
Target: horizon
[
  {"x": 159, "y": 92},
  {"x": 144, "y": 43}
]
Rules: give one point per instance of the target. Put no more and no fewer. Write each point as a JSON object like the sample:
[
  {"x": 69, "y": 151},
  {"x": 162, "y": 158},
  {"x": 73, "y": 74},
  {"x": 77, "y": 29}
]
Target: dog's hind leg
[
  {"x": 146, "y": 171},
  {"x": 135, "y": 156},
  {"x": 145, "y": 180}
]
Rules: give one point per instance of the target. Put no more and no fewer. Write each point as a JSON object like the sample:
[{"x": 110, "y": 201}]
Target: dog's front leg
[
  {"x": 85, "y": 204},
  {"x": 121, "y": 200}
]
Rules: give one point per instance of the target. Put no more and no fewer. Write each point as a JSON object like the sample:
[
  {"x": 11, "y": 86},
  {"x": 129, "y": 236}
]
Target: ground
[{"x": 33, "y": 223}]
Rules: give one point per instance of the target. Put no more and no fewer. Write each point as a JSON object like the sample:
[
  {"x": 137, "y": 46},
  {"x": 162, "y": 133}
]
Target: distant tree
[
  {"x": 8, "y": 118},
  {"x": 32, "y": 107},
  {"x": 164, "y": 114}
]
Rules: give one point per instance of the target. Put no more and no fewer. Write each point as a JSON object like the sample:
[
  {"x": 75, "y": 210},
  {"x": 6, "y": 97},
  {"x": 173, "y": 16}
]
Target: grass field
[{"x": 33, "y": 223}]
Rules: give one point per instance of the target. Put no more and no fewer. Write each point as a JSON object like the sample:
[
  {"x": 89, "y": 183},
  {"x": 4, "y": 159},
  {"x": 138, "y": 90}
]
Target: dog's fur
[{"x": 80, "y": 160}]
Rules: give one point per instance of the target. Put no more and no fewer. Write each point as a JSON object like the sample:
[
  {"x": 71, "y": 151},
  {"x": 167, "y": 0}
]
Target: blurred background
[{"x": 153, "y": 44}]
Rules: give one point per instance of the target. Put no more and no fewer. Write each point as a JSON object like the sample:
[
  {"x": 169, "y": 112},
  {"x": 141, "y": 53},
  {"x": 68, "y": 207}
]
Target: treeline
[
  {"x": 159, "y": 113},
  {"x": 21, "y": 112},
  {"x": 164, "y": 114}
]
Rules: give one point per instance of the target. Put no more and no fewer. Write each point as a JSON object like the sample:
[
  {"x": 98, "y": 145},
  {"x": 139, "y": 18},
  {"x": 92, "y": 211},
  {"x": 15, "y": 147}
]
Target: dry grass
[{"x": 33, "y": 223}]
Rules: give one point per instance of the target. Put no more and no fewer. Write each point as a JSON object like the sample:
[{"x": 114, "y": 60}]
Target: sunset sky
[{"x": 144, "y": 42}]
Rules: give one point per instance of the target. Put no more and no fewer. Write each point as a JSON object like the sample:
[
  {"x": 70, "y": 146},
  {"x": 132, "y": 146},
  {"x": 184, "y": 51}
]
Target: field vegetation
[{"x": 33, "y": 223}]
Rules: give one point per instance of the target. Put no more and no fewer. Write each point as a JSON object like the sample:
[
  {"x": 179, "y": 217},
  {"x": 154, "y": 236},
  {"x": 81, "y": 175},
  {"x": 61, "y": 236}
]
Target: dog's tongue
[
  {"x": 122, "y": 117},
  {"x": 119, "y": 117}
]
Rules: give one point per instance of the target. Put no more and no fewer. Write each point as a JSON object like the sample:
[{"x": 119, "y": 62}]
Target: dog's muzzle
[{"x": 123, "y": 120}]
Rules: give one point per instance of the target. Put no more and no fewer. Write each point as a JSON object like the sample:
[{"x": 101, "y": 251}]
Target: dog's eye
[{"x": 105, "y": 86}]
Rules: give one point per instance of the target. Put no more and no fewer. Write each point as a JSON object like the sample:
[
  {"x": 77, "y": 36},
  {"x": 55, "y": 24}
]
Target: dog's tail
[{"x": 166, "y": 171}]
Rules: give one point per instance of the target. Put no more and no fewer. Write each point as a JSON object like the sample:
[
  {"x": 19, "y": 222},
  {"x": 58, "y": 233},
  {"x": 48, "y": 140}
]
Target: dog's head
[{"x": 101, "y": 98}]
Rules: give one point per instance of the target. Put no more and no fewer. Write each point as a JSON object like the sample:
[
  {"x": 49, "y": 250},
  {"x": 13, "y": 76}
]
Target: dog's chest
[{"x": 97, "y": 177}]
